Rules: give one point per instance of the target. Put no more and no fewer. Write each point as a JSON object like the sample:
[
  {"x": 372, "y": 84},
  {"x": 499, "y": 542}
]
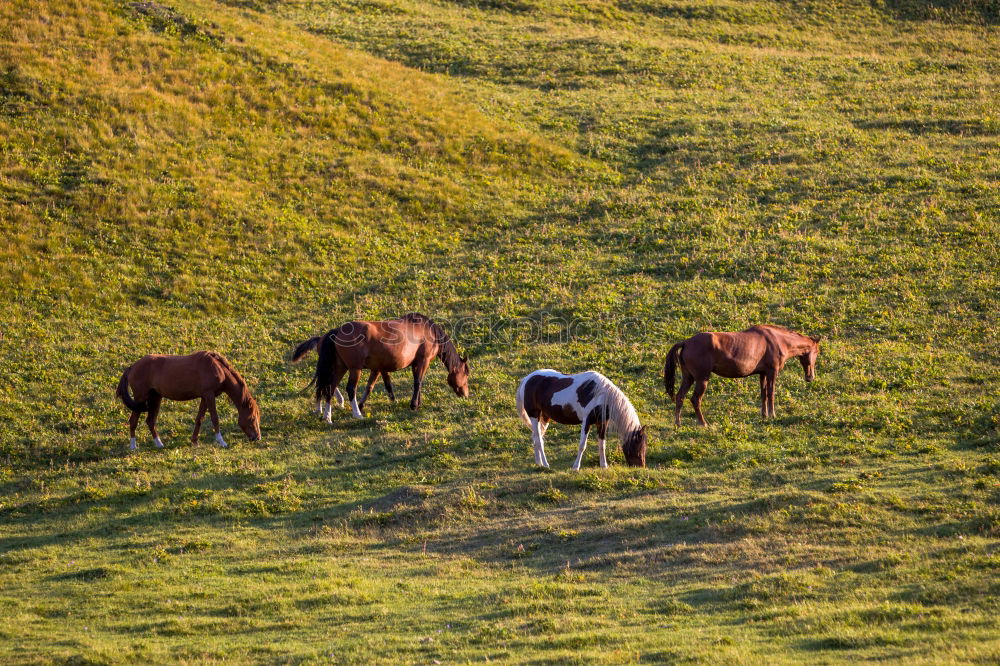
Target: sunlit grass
[{"x": 569, "y": 184}]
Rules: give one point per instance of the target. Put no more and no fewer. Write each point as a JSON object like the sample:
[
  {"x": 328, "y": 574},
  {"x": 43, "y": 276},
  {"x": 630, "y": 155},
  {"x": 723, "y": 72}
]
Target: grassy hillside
[{"x": 573, "y": 185}]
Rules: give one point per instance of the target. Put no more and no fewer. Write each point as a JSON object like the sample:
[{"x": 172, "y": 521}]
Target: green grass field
[{"x": 573, "y": 184}]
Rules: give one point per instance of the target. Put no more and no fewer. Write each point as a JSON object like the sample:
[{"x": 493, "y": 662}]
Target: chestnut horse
[
  {"x": 412, "y": 341},
  {"x": 759, "y": 350},
  {"x": 586, "y": 399},
  {"x": 202, "y": 375}
]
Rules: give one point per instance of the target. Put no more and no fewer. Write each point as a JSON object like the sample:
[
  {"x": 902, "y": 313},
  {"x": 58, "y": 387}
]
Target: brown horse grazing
[
  {"x": 200, "y": 375},
  {"x": 411, "y": 341},
  {"x": 313, "y": 343},
  {"x": 759, "y": 350}
]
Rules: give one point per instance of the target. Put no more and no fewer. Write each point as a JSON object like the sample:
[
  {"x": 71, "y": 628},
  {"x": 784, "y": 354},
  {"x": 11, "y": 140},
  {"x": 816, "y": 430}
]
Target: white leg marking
[
  {"x": 132, "y": 446},
  {"x": 319, "y": 408},
  {"x": 535, "y": 441},
  {"x": 157, "y": 442},
  {"x": 604, "y": 457},
  {"x": 542, "y": 427},
  {"x": 328, "y": 416},
  {"x": 355, "y": 411},
  {"x": 538, "y": 438},
  {"x": 218, "y": 438},
  {"x": 339, "y": 397},
  {"x": 583, "y": 447}
]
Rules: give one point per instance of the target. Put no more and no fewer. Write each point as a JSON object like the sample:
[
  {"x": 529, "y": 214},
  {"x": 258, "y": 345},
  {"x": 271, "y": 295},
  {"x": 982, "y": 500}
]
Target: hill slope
[{"x": 567, "y": 184}]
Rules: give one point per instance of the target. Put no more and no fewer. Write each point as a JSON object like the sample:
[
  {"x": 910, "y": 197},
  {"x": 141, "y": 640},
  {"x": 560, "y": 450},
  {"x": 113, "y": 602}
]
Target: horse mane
[
  {"x": 245, "y": 398},
  {"x": 619, "y": 410},
  {"x": 783, "y": 329},
  {"x": 447, "y": 351}
]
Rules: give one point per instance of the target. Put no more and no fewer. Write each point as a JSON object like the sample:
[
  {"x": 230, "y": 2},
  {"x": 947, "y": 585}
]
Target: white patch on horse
[
  {"x": 132, "y": 446},
  {"x": 355, "y": 410},
  {"x": 538, "y": 439},
  {"x": 157, "y": 442},
  {"x": 218, "y": 438},
  {"x": 339, "y": 397},
  {"x": 605, "y": 396}
]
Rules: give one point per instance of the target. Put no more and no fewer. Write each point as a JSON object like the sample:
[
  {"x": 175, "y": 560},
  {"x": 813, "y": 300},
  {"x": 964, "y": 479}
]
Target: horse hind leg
[
  {"x": 154, "y": 411},
  {"x": 388, "y": 386},
  {"x": 699, "y": 390},
  {"x": 538, "y": 439},
  {"x": 133, "y": 422},
  {"x": 368, "y": 389},
  {"x": 686, "y": 383},
  {"x": 338, "y": 374},
  {"x": 352, "y": 392}
]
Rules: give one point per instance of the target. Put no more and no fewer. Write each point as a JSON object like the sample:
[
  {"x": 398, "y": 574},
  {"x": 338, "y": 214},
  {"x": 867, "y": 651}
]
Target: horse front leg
[
  {"x": 353, "y": 377},
  {"x": 583, "y": 447},
  {"x": 763, "y": 395},
  {"x": 209, "y": 400},
  {"x": 771, "y": 381},
  {"x": 419, "y": 370},
  {"x": 154, "y": 411},
  {"x": 602, "y": 431},
  {"x": 197, "y": 421}
]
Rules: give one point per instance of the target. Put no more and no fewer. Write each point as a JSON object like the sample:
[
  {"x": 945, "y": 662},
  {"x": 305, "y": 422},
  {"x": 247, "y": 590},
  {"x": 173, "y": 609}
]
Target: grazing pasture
[{"x": 573, "y": 184}]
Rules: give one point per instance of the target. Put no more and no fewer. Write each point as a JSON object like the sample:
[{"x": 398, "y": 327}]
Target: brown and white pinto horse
[
  {"x": 759, "y": 350},
  {"x": 202, "y": 375},
  {"x": 586, "y": 399},
  {"x": 412, "y": 341}
]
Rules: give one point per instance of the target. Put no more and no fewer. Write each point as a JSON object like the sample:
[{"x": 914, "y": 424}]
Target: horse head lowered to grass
[
  {"x": 202, "y": 375},
  {"x": 586, "y": 399}
]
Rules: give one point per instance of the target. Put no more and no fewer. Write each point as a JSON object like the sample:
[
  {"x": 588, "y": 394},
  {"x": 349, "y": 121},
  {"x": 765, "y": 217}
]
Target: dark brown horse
[
  {"x": 412, "y": 341},
  {"x": 200, "y": 375},
  {"x": 759, "y": 350}
]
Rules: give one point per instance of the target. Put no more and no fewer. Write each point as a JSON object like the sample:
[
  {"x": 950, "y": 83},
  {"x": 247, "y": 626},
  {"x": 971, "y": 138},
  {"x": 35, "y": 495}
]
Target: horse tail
[
  {"x": 122, "y": 392},
  {"x": 324, "y": 366},
  {"x": 522, "y": 412},
  {"x": 670, "y": 367},
  {"x": 305, "y": 348}
]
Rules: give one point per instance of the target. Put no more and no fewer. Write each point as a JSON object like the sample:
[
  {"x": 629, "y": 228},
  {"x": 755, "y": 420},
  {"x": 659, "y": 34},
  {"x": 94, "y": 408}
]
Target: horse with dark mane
[
  {"x": 586, "y": 399},
  {"x": 412, "y": 341},
  {"x": 202, "y": 375},
  {"x": 759, "y": 350}
]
